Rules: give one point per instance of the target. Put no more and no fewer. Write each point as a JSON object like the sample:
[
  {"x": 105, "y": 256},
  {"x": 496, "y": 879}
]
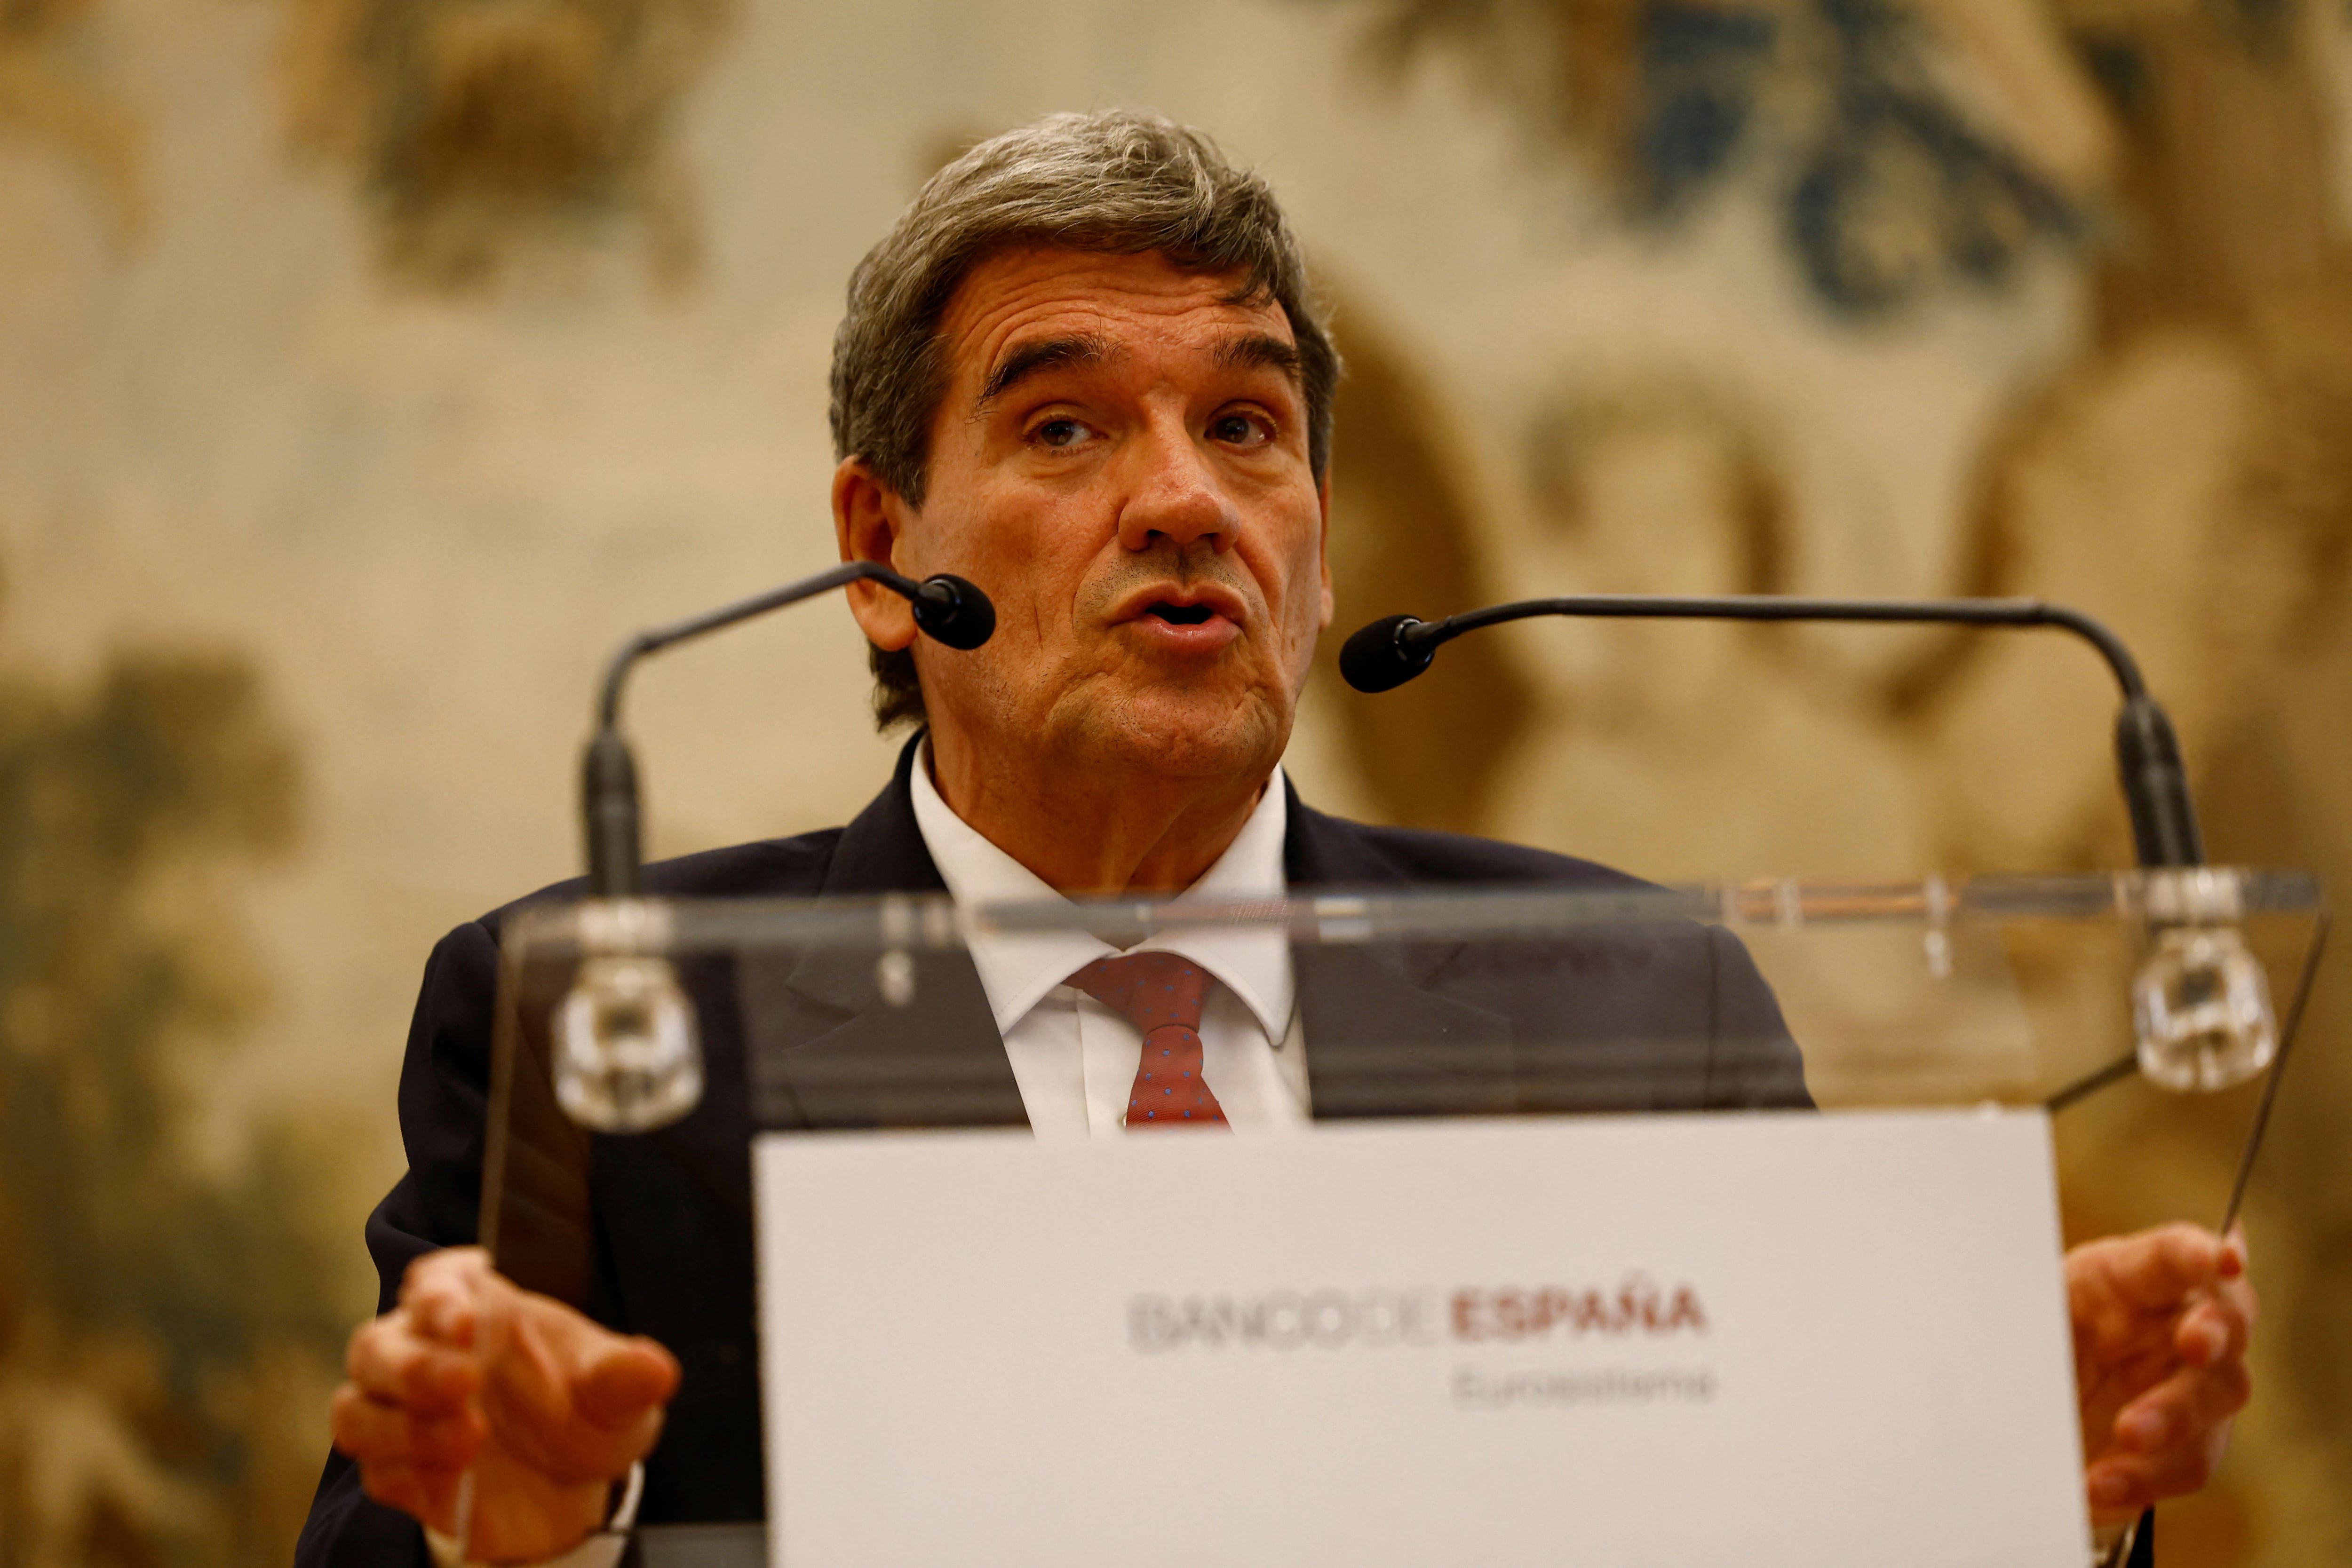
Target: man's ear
[
  {"x": 869, "y": 521},
  {"x": 1323, "y": 549}
]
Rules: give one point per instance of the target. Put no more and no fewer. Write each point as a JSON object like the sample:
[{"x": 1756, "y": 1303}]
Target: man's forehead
[{"x": 1102, "y": 307}]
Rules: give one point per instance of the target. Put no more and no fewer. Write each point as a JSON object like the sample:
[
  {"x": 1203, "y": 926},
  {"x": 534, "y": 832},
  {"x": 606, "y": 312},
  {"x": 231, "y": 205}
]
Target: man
[{"x": 1081, "y": 371}]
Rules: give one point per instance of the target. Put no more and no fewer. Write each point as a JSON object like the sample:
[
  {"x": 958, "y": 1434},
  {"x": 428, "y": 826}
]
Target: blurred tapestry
[
  {"x": 367, "y": 367},
  {"x": 166, "y": 1331},
  {"x": 478, "y": 129},
  {"x": 2187, "y": 476},
  {"x": 44, "y": 97}
]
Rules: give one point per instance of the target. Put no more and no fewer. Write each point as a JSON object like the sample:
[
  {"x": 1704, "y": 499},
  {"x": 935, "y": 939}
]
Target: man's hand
[
  {"x": 2160, "y": 1326},
  {"x": 547, "y": 1407}
]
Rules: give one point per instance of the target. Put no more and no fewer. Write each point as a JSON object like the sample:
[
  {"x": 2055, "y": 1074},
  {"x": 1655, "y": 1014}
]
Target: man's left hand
[{"x": 2160, "y": 1325}]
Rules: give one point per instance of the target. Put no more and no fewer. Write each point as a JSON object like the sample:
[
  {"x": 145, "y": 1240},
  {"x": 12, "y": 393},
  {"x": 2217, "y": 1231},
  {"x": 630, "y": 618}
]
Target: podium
[{"x": 1603, "y": 1223}]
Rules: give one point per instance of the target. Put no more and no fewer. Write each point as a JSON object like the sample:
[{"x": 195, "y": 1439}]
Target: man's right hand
[{"x": 547, "y": 1408}]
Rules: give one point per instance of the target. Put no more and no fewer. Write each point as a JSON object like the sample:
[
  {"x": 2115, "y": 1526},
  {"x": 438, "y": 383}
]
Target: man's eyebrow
[
  {"x": 1262, "y": 349},
  {"x": 1048, "y": 354}
]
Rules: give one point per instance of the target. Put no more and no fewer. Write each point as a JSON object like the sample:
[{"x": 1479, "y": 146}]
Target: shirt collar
[{"x": 1018, "y": 972}]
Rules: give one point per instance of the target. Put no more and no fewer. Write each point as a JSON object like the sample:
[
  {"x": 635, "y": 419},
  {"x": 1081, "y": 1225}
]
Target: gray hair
[{"x": 1121, "y": 183}]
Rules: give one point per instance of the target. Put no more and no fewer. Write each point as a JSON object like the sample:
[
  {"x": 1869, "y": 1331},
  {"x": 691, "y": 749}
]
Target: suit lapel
[
  {"x": 1383, "y": 1038},
  {"x": 829, "y": 1050}
]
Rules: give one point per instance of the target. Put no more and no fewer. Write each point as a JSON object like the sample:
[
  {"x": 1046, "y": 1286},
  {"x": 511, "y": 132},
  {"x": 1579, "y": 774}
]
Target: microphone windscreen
[
  {"x": 1377, "y": 659},
  {"x": 951, "y": 611}
]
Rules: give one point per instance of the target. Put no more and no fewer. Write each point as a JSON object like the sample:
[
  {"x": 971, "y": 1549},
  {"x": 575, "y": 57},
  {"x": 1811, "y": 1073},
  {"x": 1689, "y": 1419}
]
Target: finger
[
  {"x": 2241, "y": 1295},
  {"x": 528, "y": 1357},
  {"x": 375, "y": 1432},
  {"x": 2152, "y": 1270},
  {"x": 388, "y": 1362},
  {"x": 2129, "y": 1482},
  {"x": 532, "y": 1399},
  {"x": 2184, "y": 1409},
  {"x": 441, "y": 1291},
  {"x": 626, "y": 1380},
  {"x": 2217, "y": 1329},
  {"x": 2122, "y": 1368},
  {"x": 2122, "y": 1294},
  {"x": 2122, "y": 1343}
]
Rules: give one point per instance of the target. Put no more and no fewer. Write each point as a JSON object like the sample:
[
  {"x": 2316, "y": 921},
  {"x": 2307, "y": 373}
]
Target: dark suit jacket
[{"x": 1424, "y": 1029}]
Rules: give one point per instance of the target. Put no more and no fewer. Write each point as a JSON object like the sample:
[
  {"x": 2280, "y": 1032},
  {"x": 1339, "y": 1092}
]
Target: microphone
[
  {"x": 2200, "y": 1000},
  {"x": 1387, "y": 654},
  {"x": 948, "y": 610},
  {"x": 952, "y": 611},
  {"x": 627, "y": 1059}
]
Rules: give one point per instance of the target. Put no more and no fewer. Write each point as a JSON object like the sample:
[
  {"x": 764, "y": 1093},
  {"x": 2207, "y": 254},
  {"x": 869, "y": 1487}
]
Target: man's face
[{"x": 1120, "y": 461}]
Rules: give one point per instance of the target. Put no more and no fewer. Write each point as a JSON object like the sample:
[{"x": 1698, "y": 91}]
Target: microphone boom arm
[
  {"x": 947, "y": 608},
  {"x": 1776, "y": 607},
  {"x": 1395, "y": 649}
]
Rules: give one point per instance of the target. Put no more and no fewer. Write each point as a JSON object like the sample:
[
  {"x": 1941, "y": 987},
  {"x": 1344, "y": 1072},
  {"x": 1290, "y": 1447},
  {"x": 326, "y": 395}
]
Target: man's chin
[{"x": 1187, "y": 736}]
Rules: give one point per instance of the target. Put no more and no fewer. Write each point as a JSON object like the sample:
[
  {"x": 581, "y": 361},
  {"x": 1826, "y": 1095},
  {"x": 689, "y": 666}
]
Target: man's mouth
[{"x": 1184, "y": 620}]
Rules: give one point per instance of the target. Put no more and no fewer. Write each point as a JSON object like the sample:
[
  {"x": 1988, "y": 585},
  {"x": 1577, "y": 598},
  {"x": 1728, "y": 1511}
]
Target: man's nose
[{"x": 1176, "y": 495}]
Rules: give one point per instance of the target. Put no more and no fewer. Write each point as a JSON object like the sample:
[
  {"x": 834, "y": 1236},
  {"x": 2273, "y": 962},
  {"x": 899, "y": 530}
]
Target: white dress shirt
[{"x": 1074, "y": 1059}]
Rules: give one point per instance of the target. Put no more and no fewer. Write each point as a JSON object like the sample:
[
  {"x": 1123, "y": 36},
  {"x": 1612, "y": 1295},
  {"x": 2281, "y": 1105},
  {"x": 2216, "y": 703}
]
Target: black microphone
[
  {"x": 1395, "y": 648},
  {"x": 948, "y": 610},
  {"x": 1387, "y": 654},
  {"x": 952, "y": 612}
]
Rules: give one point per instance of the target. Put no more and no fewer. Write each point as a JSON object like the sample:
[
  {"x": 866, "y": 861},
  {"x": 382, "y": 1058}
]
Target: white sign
[{"x": 1783, "y": 1340}]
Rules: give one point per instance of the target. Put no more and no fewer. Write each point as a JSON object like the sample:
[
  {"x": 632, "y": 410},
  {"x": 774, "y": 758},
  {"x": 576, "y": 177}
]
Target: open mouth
[{"x": 1180, "y": 615}]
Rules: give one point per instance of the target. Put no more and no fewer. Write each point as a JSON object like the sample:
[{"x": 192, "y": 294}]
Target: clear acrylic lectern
[{"x": 646, "y": 1047}]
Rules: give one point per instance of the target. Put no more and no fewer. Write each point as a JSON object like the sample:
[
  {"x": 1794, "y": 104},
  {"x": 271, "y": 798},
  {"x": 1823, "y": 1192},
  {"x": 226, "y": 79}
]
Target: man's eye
[
  {"x": 1060, "y": 433},
  {"x": 1239, "y": 430}
]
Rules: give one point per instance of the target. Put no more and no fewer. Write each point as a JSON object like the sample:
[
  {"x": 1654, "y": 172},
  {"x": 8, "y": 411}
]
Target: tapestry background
[{"x": 368, "y": 366}]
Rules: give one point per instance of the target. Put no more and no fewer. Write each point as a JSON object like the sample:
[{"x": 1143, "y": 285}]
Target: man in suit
[{"x": 1083, "y": 370}]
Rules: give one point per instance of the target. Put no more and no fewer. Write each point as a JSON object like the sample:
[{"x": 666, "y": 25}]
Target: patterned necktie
[{"x": 1159, "y": 994}]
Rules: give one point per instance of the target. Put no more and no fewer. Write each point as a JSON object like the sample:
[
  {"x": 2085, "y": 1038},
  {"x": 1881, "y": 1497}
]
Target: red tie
[{"x": 1159, "y": 994}]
